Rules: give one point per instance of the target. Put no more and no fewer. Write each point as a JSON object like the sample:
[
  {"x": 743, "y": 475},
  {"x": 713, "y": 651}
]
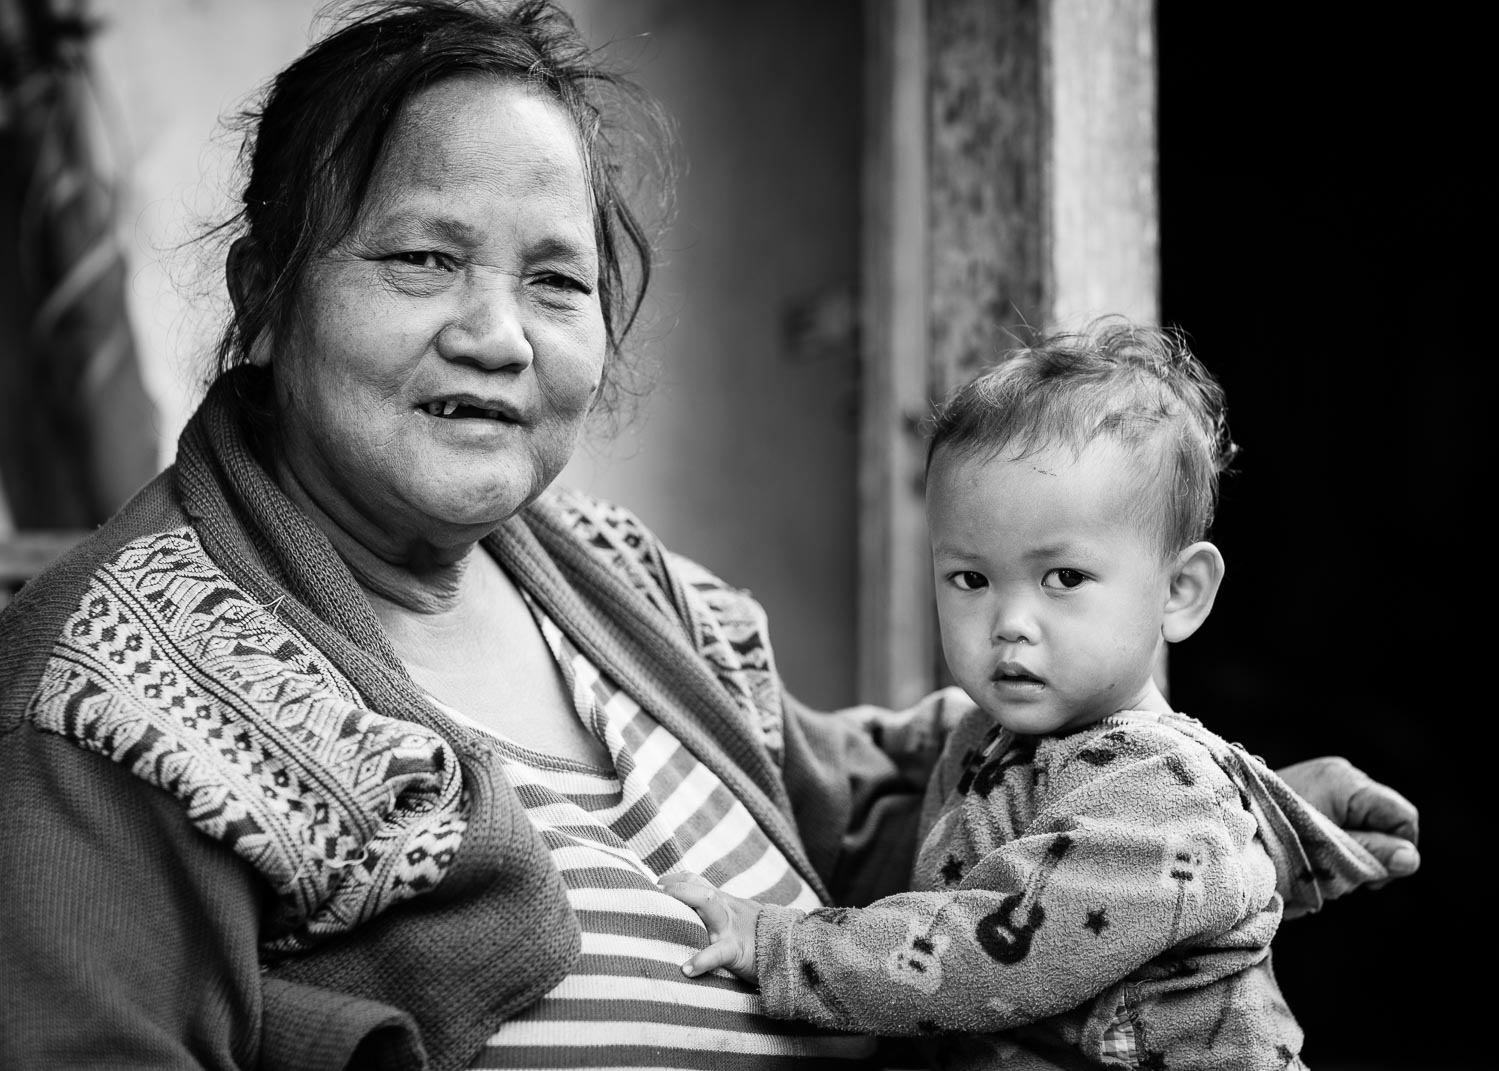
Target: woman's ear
[
  {"x": 1194, "y": 586},
  {"x": 246, "y": 277}
]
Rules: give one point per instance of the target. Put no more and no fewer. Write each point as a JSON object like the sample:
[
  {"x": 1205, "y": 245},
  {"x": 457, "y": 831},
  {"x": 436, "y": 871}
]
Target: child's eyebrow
[{"x": 1065, "y": 550}]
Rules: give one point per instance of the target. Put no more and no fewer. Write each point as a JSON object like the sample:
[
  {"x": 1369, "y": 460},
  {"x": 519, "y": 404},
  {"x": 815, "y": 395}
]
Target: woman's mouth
[{"x": 455, "y": 410}]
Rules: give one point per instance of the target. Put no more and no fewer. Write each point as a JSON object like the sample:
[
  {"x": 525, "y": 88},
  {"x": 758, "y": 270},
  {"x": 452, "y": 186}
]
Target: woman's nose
[{"x": 488, "y": 330}]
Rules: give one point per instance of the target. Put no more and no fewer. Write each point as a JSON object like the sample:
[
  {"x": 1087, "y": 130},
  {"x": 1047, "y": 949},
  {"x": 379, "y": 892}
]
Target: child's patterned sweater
[{"x": 1103, "y": 898}]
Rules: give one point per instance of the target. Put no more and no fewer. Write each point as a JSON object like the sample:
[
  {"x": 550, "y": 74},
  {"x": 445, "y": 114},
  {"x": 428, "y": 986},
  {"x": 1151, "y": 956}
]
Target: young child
[{"x": 1100, "y": 876}]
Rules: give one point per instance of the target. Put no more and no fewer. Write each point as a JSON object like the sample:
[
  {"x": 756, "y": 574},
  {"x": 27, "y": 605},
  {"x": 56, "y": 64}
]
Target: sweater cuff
[
  {"x": 309, "y": 1029},
  {"x": 773, "y": 959}
]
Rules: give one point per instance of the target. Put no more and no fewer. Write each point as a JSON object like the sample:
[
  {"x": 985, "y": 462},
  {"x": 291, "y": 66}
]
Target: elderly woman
[{"x": 351, "y": 741}]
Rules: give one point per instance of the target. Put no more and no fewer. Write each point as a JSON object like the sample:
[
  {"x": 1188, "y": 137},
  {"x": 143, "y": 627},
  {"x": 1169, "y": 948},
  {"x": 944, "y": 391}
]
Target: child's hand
[{"x": 731, "y": 926}]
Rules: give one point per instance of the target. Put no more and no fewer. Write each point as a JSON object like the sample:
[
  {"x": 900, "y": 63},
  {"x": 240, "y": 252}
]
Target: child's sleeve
[{"x": 1131, "y": 859}]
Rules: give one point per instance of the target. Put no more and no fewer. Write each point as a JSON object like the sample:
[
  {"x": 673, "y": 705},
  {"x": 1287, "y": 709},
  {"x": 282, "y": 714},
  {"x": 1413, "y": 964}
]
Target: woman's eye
[
  {"x": 424, "y": 258},
  {"x": 968, "y": 580},
  {"x": 564, "y": 282},
  {"x": 1063, "y": 578}
]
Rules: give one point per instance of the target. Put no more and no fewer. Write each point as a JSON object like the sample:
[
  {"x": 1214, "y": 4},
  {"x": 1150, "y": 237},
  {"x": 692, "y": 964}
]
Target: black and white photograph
[{"x": 841, "y": 534}]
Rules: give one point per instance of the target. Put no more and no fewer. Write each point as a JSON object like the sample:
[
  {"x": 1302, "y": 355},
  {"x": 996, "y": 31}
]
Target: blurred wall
[
  {"x": 168, "y": 71},
  {"x": 743, "y": 456}
]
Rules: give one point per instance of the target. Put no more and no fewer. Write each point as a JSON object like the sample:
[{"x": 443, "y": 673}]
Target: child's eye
[
  {"x": 968, "y": 580},
  {"x": 1063, "y": 578}
]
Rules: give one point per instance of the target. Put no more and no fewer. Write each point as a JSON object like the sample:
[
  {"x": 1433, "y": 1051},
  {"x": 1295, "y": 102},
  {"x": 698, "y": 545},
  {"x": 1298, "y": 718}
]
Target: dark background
[{"x": 1321, "y": 246}]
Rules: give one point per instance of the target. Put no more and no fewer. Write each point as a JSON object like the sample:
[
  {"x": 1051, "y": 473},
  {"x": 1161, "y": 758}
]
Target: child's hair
[{"x": 1137, "y": 384}]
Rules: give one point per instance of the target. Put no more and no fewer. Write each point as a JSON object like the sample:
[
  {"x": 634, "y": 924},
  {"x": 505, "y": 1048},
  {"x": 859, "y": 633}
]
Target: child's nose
[{"x": 1014, "y": 623}]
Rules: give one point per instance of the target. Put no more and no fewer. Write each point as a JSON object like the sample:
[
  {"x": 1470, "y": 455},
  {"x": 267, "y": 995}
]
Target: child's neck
[{"x": 1148, "y": 700}]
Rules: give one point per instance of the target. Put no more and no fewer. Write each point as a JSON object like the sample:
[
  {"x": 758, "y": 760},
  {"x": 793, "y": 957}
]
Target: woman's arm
[
  {"x": 856, "y": 779},
  {"x": 127, "y": 938}
]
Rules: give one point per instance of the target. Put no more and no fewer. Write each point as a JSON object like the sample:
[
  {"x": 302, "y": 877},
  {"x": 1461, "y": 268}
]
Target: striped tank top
[{"x": 612, "y": 834}]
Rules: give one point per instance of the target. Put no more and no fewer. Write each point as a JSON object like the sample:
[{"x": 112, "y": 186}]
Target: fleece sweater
[
  {"x": 1104, "y": 898},
  {"x": 238, "y": 835}
]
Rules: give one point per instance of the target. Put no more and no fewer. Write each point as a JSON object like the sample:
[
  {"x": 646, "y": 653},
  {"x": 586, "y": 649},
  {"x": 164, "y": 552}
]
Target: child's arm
[{"x": 1150, "y": 853}]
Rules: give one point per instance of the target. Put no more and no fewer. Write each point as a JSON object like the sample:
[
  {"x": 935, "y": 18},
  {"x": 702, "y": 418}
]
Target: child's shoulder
[{"x": 1136, "y": 745}]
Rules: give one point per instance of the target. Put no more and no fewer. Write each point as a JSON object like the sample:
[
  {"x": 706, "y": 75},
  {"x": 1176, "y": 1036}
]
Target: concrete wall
[{"x": 743, "y": 457}]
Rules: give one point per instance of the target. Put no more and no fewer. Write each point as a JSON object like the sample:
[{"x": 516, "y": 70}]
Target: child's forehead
[
  {"x": 1101, "y": 455},
  {"x": 1043, "y": 490}
]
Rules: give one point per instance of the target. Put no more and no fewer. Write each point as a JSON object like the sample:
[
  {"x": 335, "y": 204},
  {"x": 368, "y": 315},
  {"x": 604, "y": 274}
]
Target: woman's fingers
[
  {"x": 1378, "y": 817},
  {"x": 1380, "y": 808},
  {"x": 1352, "y": 798},
  {"x": 1388, "y": 825},
  {"x": 1399, "y": 856}
]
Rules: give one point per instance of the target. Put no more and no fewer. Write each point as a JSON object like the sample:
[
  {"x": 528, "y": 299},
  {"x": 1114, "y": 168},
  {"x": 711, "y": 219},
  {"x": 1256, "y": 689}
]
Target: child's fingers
[
  {"x": 698, "y": 895},
  {"x": 718, "y": 954},
  {"x": 689, "y": 888}
]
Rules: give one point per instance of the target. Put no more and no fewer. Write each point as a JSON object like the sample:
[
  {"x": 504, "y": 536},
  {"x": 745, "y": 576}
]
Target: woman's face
[{"x": 443, "y": 356}]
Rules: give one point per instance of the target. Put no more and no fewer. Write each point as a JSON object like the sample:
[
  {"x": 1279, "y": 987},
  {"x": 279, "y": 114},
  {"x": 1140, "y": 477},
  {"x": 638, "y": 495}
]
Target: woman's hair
[
  {"x": 311, "y": 147},
  {"x": 1139, "y": 385}
]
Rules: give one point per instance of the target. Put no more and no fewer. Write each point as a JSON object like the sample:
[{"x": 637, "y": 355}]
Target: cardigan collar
[{"x": 267, "y": 543}]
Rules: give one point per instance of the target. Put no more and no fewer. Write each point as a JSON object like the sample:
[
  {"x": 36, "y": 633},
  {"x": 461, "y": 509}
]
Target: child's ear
[
  {"x": 246, "y": 277},
  {"x": 1194, "y": 586}
]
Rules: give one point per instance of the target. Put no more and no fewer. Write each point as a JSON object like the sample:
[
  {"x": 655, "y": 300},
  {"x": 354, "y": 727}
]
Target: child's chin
[{"x": 1037, "y": 720}]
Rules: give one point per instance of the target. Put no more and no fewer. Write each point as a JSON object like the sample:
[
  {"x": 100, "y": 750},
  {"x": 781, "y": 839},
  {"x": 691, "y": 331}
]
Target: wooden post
[
  {"x": 1103, "y": 215},
  {"x": 1010, "y": 183},
  {"x": 897, "y": 630}
]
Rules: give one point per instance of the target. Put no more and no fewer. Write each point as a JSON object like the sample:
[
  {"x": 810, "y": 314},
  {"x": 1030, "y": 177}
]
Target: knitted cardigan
[{"x": 238, "y": 834}]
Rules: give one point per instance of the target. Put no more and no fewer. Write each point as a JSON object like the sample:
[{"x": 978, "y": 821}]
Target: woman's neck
[{"x": 411, "y": 575}]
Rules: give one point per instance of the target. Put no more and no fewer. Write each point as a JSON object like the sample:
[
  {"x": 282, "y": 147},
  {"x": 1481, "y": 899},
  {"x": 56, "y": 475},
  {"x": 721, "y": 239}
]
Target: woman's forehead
[{"x": 480, "y": 132}]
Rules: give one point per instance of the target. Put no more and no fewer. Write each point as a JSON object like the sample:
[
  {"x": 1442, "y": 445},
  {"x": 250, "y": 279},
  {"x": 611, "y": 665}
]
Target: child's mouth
[{"x": 1014, "y": 674}]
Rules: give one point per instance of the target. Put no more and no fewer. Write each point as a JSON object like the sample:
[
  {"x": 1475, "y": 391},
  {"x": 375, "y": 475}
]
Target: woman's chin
[{"x": 468, "y": 515}]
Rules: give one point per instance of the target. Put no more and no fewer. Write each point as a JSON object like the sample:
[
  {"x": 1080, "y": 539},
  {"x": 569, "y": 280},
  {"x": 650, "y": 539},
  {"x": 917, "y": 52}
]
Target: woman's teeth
[{"x": 447, "y": 409}]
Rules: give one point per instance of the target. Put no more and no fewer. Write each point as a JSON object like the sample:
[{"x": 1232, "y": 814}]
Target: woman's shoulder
[
  {"x": 158, "y": 661},
  {"x": 42, "y": 611},
  {"x": 625, "y": 542},
  {"x": 587, "y": 513},
  {"x": 725, "y": 624}
]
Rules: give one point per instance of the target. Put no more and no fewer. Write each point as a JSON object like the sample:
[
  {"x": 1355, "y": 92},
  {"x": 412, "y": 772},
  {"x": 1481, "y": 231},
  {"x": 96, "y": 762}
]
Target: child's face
[{"x": 1050, "y": 590}]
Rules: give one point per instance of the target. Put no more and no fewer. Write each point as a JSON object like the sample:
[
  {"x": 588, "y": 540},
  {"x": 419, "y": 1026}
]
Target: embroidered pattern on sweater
[
  {"x": 726, "y": 625},
  {"x": 172, "y": 671}
]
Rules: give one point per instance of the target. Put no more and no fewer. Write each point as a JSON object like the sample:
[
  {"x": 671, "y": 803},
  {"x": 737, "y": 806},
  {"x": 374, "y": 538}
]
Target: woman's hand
[
  {"x": 731, "y": 926},
  {"x": 1375, "y": 815}
]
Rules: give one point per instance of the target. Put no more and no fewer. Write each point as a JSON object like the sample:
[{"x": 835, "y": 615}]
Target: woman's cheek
[{"x": 572, "y": 381}]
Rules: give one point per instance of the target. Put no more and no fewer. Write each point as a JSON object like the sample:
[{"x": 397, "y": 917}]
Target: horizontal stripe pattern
[{"x": 612, "y": 835}]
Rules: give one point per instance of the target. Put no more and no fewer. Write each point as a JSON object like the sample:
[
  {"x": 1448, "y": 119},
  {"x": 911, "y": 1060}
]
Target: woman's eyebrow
[
  {"x": 556, "y": 248},
  {"x": 427, "y": 225},
  {"x": 466, "y": 235}
]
